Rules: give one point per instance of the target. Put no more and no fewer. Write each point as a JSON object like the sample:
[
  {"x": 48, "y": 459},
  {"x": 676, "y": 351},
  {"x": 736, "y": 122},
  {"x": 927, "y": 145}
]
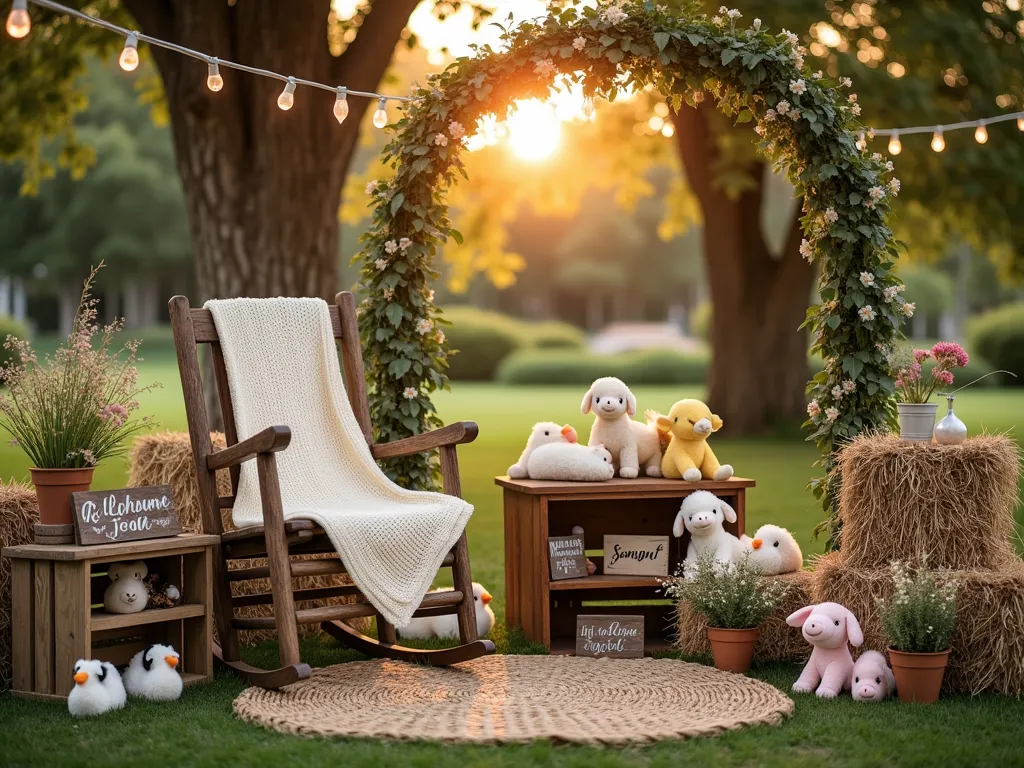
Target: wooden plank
[
  {"x": 43, "y": 607},
  {"x": 110, "y": 552},
  {"x": 125, "y": 514},
  {"x": 22, "y": 615},
  {"x": 616, "y": 637},
  {"x": 70, "y": 622},
  {"x": 119, "y": 654},
  {"x": 454, "y": 434},
  {"x": 617, "y": 485},
  {"x": 227, "y": 410},
  {"x": 539, "y": 566},
  {"x": 102, "y": 620},
  {"x": 511, "y": 524},
  {"x": 606, "y": 581},
  {"x": 462, "y": 577},
  {"x": 323, "y": 567},
  {"x": 197, "y": 653},
  {"x": 352, "y": 360}
]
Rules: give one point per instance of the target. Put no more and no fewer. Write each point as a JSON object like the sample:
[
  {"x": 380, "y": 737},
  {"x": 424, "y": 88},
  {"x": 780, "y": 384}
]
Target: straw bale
[{"x": 18, "y": 513}]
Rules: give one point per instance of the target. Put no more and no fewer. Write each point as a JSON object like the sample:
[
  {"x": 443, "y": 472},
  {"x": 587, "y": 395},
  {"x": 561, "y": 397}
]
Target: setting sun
[{"x": 534, "y": 130}]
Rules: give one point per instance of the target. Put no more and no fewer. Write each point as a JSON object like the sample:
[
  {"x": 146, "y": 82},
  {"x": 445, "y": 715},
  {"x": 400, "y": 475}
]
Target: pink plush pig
[
  {"x": 872, "y": 678},
  {"x": 829, "y": 627}
]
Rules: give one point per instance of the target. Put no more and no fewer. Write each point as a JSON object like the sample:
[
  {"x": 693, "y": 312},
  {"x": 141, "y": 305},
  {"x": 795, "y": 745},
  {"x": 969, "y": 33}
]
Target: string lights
[
  {"x": 939, "y": 132},
  {"x": 19, "y": 24}
]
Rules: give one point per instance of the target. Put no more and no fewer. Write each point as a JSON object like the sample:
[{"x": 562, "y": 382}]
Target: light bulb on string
[
  {"x": 380, "y": 117},
  {"x": 938, "y": 142},
  {"x": 981, "y": 132},
  {"x": 18, "y": 22},
  {"x": 341, "y": 105},
  {"x": 213, "y": 79},
  {"x": 287, "y": 98},
  {"x": 895, "y": 145},
  {"x": 1020, "y": 123},
  {"x": 129, "y": 58},
  {"x": 862, "y": 141}
]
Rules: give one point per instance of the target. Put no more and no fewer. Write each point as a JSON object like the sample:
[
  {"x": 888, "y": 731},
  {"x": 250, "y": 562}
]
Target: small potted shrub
[
  {"x": 914, "y": 389},
  {"x": 918, "y": 623},
  {"x": 72, "y": 409},
  {"x": 734, "y": 601}
]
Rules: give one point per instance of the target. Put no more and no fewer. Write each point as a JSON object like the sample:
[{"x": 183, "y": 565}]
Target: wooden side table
[
  {"x": 58, "y": 616},
  {"x": 536, "y": 509}
]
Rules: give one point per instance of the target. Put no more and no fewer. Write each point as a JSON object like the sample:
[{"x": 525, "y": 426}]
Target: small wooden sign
[
  {"x": 620, "y": 637},
  {"x": 127, "y": 514},
  {"x": 636, "y": 555},
  {"x": 568, "y": 557}
]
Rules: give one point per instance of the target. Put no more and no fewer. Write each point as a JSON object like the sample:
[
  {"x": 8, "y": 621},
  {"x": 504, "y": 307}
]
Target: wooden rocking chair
[{"x": 278, "y": 540}]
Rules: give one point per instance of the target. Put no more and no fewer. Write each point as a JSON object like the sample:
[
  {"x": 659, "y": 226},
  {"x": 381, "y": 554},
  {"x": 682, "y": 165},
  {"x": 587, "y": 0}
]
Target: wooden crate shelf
[
  {"x": 536, "y": 509},
  {"x": 102, "y": 620}
]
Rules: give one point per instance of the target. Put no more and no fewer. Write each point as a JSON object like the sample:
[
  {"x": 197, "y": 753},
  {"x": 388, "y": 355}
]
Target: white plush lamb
[
  {"x": 774, "y": 550},
  {"x": 544, "y": 433},
  {"x": 153, "y": 674},
  {"x": 447, "y": 625},
  {"x": 570, "y": 462},
  {"x": 126, "y": 592},
  {"x": 872, "y": 678},
  {"x": 98, "y": 689},
  {"x": 631, "y": 443},
  {"x": 703, "y": 514}
]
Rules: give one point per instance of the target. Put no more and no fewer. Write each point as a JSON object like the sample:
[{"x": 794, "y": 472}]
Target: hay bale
[
  {"x": 166, "y": 459},
  {"x": 953, "y": 503},
  {"x": 18, "y": 513},
  {"x": 988, "y": 642},
  {"x": 777, "y": 641}
]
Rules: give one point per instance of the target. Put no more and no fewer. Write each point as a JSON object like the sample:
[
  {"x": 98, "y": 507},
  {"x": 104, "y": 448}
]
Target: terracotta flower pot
[
  {"x": 918, "y": 675},
  {"x": 732, "y": 649},
  {"x": 53, "y": 491}
]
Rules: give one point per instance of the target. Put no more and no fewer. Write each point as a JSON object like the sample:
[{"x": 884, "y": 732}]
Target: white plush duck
[
  {"x": 153, "y": 674},
  {"x": 98, "y": 689},
  {"x": 448, "y": 625},
  {"x": 774, "y": 550}
]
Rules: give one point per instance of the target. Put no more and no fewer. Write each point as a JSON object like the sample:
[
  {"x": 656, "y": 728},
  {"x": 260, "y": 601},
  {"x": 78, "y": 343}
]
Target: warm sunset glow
[{"x": 534, "y": 130}]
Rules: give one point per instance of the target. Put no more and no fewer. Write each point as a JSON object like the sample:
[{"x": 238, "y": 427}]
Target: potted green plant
[
  {"x": 918, "y": 623},
  {"x": 72, "y": 409},
  {"x": 914, "y": 389},
  {"x": 734, "y": 601}
]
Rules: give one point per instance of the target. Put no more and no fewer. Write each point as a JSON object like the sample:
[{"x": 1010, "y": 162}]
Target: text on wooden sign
[
  {"x": 621, "y": 637},
  {"x": 568, "y": 557},
  {"x": 636, "y": 555},
  {"x": 127, "y": 514}
]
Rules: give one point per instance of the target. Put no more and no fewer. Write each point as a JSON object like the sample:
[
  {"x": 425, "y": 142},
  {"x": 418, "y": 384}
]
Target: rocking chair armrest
[
  {"x": 454, "y": 434},
  {"x": 270, "y": 440}
]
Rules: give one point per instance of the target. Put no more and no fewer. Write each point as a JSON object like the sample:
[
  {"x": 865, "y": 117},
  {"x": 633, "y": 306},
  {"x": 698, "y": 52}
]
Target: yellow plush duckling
[{"x": 688, "y": 456}]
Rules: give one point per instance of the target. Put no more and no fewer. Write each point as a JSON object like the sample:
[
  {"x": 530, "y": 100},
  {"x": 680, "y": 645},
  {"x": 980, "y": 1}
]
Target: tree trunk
[{"x": 759, "y": 357}]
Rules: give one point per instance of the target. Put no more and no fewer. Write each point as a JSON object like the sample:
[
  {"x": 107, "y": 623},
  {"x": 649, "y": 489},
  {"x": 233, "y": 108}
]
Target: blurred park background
[{"x": 616, "y": 238}]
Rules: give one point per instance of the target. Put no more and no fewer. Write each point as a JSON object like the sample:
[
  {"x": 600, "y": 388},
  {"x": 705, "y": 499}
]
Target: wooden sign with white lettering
[
  {"x": 636, "y": 555},
  {"x": 567, "y": 556},
  {"x": 127, "y": 514},
  {"x": 619, "y": 637}
]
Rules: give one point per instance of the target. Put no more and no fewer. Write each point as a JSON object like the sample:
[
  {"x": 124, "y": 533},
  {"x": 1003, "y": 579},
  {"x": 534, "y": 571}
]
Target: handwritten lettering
[{"x": 637, "y": 555}]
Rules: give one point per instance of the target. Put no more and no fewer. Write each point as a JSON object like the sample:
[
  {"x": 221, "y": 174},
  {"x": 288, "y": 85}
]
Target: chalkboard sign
[
  {"x": 127, "y": 514},
  {"x": 619, "y": 637},
  {"x": 636, "y": 555},
  {"x": 567, "y": 556}
]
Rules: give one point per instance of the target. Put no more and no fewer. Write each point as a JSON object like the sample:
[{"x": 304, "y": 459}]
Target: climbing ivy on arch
[{"x": 806, "y": 122}]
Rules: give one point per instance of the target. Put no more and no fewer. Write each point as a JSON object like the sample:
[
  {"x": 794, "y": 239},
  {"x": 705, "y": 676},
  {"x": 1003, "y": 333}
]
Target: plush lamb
[
  {"x": 127, "y": 592},
  {"x": 703, "y": 514},
  {"x": 98, "y": 689},
  {"x": 153, "y": 674},
  {"x": 448, "y": 625},
  {"x": 872, "y": 678},
  {"x": 570, "y": 462},
  {"x": 774, "y": 550},
  {"x": 830, "y": 628},
  {"x": 631, "y": 444},
  {"x": 544, "y": 433}
]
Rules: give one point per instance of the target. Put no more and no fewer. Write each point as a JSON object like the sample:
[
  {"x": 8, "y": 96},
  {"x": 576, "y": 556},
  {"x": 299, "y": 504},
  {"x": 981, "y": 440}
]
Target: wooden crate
[
  {"x": 535, "y": 509},
  {"x": 58, "y": 616}
]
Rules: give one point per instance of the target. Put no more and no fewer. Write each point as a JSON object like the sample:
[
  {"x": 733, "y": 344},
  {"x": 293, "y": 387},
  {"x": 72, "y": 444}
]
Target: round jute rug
[{"x": 518, "y": 698}]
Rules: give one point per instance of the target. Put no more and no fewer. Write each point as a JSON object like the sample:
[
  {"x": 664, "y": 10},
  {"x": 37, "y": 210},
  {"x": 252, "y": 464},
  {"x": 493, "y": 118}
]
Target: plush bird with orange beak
[
  {"x": 544, "y": 433},
  {"x": 98, "y": 689},
  {"x": 153, "y": 674},
  {"x": 447, "y": 626},
  {"x": 774, "y": 550}
]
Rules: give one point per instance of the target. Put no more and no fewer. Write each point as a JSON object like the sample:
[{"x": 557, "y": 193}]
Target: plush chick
[
  {"x": 153, "y": 674},
  {"x": 774, "y": 550},
  {"x": 98, "y": 689},
  {"x": 448, "y": 625}
]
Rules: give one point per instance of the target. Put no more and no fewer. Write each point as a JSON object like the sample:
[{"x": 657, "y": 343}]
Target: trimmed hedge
[
  {"x": 998, "y": 337},
  {"x": 9, "y": 326},
  {"x": 651, "y": 366}
]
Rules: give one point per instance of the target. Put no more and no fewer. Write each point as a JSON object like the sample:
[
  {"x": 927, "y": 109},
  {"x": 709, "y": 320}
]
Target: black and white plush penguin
[
  {"x": 153, "y": 674},
  {"x": 98, "y": 688}
]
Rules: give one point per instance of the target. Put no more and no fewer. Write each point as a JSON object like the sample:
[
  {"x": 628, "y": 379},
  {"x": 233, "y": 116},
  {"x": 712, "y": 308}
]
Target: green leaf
[
  {"x": 694, "y": 39},
  {"x": 855, "y": 198},
  {"x": 396, "y": 202},
  {"x": 728, "y": 55},
  {"x": 662, "y": 39},
  {"x": 615, "y": 55},
  {"x": 456, "y": 236},
  {"x": 399, "y": 367},
  {"x": 745, "y": 116},
  {"x": 607, "y": 40},
  {"x": 394, "y": 313}
]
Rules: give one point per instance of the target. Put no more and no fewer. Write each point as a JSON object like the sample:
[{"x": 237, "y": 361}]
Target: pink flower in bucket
[{"x": 913, "y": 386}]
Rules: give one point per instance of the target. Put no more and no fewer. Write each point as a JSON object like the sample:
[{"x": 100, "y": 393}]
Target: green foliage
[
  {"x": 930, "y": 289},
  {"x": 737, "y": 597},
  {"x": 10, "y": 327},
  {"x": 921, "y": 614},
  {"x": 700, "y": 321},
  {"x": 998, "y": 336},
  {"x": 553, "y": 334},
  {"x": 649, "y": 366},
  {"x": 483, "y": 339},
  {"x": 808, "y": 127}
]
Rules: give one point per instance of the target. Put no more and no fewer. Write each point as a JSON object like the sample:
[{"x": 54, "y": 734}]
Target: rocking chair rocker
[{"x": 278, "y": 540}]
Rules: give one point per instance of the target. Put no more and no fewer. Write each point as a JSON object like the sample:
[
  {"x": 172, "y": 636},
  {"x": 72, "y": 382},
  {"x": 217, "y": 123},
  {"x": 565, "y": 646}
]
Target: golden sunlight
[{"x": 534, "y": 130}]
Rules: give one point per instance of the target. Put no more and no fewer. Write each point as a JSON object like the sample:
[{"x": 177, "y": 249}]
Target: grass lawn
[{"x": 201, "y": 730}]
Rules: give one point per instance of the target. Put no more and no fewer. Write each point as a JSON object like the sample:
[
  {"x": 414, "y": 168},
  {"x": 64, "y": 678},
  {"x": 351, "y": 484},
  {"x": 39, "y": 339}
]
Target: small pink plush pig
[
  {"x": 829, "y": 627},
  {"x": 872, "y": 678}
]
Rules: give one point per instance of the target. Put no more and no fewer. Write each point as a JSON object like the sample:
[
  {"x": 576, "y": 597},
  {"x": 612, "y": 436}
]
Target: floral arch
[{"x": 807, "y": 123}]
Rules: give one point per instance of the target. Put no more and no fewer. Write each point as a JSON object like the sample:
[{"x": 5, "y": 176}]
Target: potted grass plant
[
  {"x": 734, "y": 601},
  {"x": 918, "y": 623},
  {"x": 71, "y": 410},
  {"x": 914, "y": 388}
]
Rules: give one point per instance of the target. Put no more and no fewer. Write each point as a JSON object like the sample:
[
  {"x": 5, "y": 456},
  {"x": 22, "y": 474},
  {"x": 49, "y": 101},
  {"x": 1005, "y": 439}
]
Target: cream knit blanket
[{"x": 283, "y": 369}]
